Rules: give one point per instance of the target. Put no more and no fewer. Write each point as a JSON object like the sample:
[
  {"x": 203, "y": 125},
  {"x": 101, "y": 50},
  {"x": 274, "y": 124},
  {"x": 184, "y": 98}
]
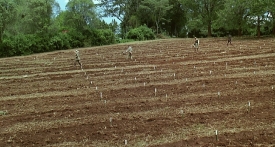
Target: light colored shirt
[
  {"x": 77, "y": 56},
  {"x": 130, "y": 49}
]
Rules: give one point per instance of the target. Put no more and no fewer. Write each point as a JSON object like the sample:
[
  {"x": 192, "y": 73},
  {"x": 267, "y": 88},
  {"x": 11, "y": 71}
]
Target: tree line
[{"x": 34, "y": 26}]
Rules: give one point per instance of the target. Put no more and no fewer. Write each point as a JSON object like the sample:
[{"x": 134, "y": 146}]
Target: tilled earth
[{"x": 167, "y": 95}]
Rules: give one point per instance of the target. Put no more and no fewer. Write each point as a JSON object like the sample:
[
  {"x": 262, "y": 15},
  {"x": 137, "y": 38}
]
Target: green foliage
[
  {"x": 101, "y": 37},
  {"x": 156, "y": 11},
  {"x": 60, "y": 41},
  {"x": 141, "y": 33}
]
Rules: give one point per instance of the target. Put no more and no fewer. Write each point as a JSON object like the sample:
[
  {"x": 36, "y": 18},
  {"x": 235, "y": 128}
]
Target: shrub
[
  {"x": 141, "y": 33},
  {"x": 102, "y": 37}
]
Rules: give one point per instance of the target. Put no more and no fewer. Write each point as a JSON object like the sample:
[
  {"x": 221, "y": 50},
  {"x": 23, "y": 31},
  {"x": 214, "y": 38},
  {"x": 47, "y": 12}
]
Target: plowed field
[{"x": 167, "y": 95}]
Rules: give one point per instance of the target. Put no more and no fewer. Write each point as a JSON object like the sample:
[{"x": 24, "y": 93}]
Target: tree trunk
[
  {"x": 209, "y": 29},
  {"x": 157, "y": 27},
  {"x": 240, "y": 29},
  {"x": 258, "y": 27}
]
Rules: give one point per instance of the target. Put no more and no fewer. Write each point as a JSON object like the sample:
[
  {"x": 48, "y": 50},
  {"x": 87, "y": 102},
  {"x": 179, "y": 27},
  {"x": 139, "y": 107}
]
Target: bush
[
  {"x": 102, "y": 37},
  {"x": 60, "y": 41},
  {"x": 141, "y": 33}
]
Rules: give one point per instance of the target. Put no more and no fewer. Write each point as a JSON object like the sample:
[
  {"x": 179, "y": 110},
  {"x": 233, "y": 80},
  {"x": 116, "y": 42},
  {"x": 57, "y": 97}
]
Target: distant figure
[
  {"x": 229, "y": 39},
  {"x": 130, "y": 51},
  {"x": 77, "y": 58},
  {"x": 196, "y": 44}
]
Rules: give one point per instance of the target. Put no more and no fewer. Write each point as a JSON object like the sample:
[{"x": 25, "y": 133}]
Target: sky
[{"x": 62, "y": 4}]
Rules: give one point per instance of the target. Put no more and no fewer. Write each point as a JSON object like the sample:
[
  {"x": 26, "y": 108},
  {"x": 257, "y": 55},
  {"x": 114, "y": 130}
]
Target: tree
[
  {"x": 156, "y": 10},
  {"x": 80, "y": 13},
  {"x": 202, "y": 13},
  {"x": 233, "y": 16},
  {"x": 271, "y": 14},
  {"x": 7, "y": 13},
  {"x": 177, "y": 19},
  {"x": 257, "y": 13}
]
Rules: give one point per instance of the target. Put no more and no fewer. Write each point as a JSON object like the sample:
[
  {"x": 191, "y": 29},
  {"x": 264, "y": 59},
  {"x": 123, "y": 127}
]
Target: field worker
[
  {"x": 130, "y": 51},
  {"x": 77, "y": 58},
  {"x": 229, "y": 39},
  {"x": 196, "y": 44}
]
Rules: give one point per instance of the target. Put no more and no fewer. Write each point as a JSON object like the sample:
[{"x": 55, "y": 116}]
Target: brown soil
[{"x": 112, "y": 101}]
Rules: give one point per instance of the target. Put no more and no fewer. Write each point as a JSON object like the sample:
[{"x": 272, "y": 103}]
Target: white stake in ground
[
  {"x": 174, "y": 76},
  {"x": 216, "y": 133},
  {"x": 248, "y": 106},
  {"x": 125, "y": 141},
  {"x": 101, "y": 95},
  {"x": 181, "y": 112},
  {"x": 226, "y": 65},
  {"x": 219, "y": 94},
  {"x": 155, "y": 91},
  {"x": 111, "y": 120}
]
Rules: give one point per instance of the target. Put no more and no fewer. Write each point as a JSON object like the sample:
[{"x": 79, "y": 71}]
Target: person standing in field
[
  {"x": 130, "y": 52},
  {"x": 196, "y": 44},
  {"x": 77, "y": 58},
  {"x": 229, "y": 39}
]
